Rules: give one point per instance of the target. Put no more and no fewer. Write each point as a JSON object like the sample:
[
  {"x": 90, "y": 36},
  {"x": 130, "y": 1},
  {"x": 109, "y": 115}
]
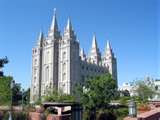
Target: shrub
[
  {"x": 106, "y": 115},
  {"x": 56, "y": 96},
  {"x": 15, "y": 116}
]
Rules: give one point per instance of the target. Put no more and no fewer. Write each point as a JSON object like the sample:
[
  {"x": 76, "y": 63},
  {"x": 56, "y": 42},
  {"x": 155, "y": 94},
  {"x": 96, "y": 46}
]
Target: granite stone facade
[{"x": 59, "y": 63}]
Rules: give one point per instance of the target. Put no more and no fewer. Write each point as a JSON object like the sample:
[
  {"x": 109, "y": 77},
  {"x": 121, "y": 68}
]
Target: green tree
[
  {"x": 97, "y": 92},
  {"x": 2, "y": 62},
  {"x": 16, "y": 94},
  {"x": 26, "y": 96},
  {"x": 144, "y": 91},
  {"x": 5, "y": 90},
  {"x": 7, "y": 94}
]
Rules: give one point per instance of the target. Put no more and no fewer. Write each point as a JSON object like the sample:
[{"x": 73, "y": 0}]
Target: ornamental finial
[{"x": 54, "y": 10}]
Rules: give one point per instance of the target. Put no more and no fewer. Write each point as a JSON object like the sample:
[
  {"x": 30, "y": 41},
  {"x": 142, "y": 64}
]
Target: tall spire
[
  {"x": 69, "y": 32},
  {"x": 108, "y": 51},
  {"x": 69, "y": 25},
  {"x": 95, "y": 54},
  {"x": 54, "y": 25},
  {"x": 40, "y": 38},
  {"x": 108, "y": 45},
  {"x": 109, "y": 61},
  {"x": 82, "y": 54},
  {"x": 94, "y": 42},
  {"x": 82, "y": 51}
]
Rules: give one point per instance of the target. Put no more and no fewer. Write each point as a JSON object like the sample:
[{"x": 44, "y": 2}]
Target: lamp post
[{"x": 132, "y": 108}]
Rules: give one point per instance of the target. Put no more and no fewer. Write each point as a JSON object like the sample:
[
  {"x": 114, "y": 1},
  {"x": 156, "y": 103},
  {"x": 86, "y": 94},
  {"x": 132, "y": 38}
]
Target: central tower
[
  {"x": 50, "y": 56},
  {"x": 68, "y": 60}
]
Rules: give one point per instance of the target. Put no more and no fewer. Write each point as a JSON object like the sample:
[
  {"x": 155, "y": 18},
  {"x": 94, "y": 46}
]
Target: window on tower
[
  {"x": 46, "y": 57},
  {"x": 35, "y": 71},
  {"x": 82, "y": 67},
  {"x": 47, "y": 73},
  {"x": 64, "y": 67},
  {"x": 64, "y": 76},
  {"x": 35, "y": 62},
  {"x": 34, "y": 79},
  {"x": 64, "y": 55}
]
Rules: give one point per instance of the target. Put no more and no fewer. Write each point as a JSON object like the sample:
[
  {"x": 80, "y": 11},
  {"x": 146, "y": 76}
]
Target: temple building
[{"x": 59, "y": 63}]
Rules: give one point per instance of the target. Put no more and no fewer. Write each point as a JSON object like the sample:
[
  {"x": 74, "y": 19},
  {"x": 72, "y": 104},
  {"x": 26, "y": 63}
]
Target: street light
[{"x": 132, "y": 108}]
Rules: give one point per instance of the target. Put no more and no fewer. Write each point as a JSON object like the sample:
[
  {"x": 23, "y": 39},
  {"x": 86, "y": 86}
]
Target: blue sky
[{"x": 130, "y": 25}]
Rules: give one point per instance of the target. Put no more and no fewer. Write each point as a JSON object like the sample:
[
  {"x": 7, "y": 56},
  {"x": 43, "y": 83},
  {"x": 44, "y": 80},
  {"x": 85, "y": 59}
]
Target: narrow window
[
  {"x": 64, "y": 55},
  {"x": 47, "y": 73}
]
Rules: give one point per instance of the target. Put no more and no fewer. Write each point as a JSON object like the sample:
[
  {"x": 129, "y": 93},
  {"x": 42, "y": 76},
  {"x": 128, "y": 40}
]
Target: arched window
[
  {"x": 34, "y": 88},
  {"x": 35, "y": 71},
  {"x": 50, "y": 85},
  {"x": 34, "y": 79},
  {"x": 47, "y": 57},
  {"x": 82, "y": 67},
  {"x": 35, "y": 61},
  {"x": 64, "y": 55},
  {"x": 64, "y": 67},
  {"x": 47, "y": 73},
  {"x": 83, "y": 79},
  {"x": 86, "y": 68},
  {"x": 64, "y": 76}
]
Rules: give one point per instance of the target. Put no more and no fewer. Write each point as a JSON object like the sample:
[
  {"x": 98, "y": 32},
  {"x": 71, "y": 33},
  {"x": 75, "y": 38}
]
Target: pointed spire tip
[
  {"x": 94, "y": 41},
  {"x": 40, "y": 34},
  {"x": 40, "y": 37},
  {"x": 54, "y": 10},
  {"x": 69, "y": 25},
  {"x": 108, "y": 45},
  {"x": 54, "y": 24}
]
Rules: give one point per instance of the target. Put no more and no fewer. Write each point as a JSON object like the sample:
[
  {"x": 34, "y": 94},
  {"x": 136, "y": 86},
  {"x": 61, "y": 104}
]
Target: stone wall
[
  {"x": 36, "y": 116},
  {"x": 58, "y": 117},
  {"x": 41, "y": 116},
  {"x": 150, "y": 115}
]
